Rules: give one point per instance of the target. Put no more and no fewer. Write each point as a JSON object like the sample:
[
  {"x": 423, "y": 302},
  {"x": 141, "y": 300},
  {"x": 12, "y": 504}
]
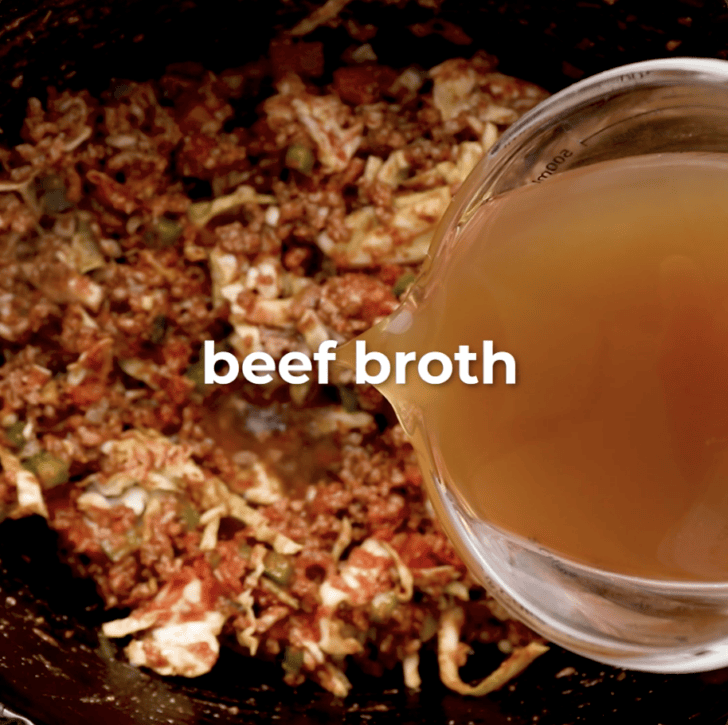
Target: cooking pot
[{"x": 54, "y": 668}]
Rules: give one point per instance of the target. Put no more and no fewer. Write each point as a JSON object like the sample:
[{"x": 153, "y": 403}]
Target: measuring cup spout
[
  {"x": 362, "y": 354},
  {"x": 376, "y": 359}
]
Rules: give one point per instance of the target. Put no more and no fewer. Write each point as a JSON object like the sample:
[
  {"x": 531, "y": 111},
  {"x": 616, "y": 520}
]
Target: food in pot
[{"x": 287, "y": 520}]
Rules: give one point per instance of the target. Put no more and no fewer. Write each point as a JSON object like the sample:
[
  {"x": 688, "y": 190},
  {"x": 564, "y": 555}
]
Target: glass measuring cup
[{"x": 657, "y": 624}]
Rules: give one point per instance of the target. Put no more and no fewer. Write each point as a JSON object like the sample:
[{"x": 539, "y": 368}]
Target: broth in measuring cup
[{"x": 609, "y": 286}]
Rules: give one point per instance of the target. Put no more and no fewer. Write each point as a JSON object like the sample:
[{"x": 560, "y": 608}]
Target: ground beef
[{"x": 290, "y": 519}]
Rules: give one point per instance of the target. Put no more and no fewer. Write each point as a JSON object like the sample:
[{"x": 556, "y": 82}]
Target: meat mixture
[{"x": 268, "y": 210}]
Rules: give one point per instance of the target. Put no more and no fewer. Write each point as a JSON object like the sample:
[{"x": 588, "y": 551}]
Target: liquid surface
[{"x": 609, "y": 286}]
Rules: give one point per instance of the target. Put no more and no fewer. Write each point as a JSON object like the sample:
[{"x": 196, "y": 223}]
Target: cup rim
[{"x": 642, "y": 74}]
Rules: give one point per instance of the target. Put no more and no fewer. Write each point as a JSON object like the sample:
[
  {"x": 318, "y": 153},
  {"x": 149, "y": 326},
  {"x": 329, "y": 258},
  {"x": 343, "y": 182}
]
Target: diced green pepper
[
  {"x": 159, "y": 329},
  {"x": 429, "y": 628},
  {"x": 50, "y": 182},
  {"x": 49, "y": 469},
  {"x": 278, "y": 568},
  {"x": 190, "y": 515},
  {"x": 245, "y": 550},
  {"x": 118, "y": 551},
  {"x": 196, "y": 373},
  {"x": 199, "y": 211},
  {"x": 105, "y": 649},
  {"x": 403, "y": 283},
  {"x": 167, "y": 232},
  {"x": 54, "y": 199},
  {"x": 349, "y": 399},
  {"x": 86, "y": 251},
  {"x": 14, "y": 434},
  {"x": 505, "y": 646},
  {"x": 382, "y": 606},
  {"x": 164, "y": 233},
  {"x": 292, "y": 660},
  {"x": 300, "y": 158}
]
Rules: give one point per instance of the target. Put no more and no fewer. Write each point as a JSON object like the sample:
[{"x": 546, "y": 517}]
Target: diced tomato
[
  {"x": 363, "y": 83},
  {"x": 303, "y": 59}
]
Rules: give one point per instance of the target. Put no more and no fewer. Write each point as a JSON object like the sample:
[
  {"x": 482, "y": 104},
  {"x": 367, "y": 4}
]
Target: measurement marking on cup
[
  {"x": 612, "y": 126},
  {"x": 553, "y": 166},
  {"x": 586, "y": 141},
  {"x": 633, "y": 76}
]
